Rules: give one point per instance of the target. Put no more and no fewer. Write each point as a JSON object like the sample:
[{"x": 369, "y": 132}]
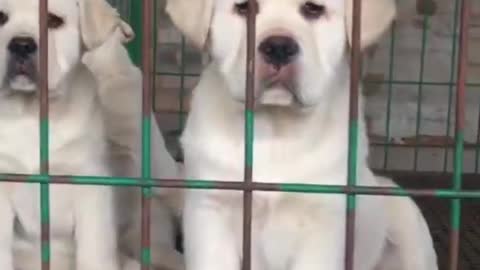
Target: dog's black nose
[
  {"x": 22, "y": 46},
  {"x": 279, "y": 50}
]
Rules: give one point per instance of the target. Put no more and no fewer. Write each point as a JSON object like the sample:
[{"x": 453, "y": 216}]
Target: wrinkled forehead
[
  {"x": 59, "y": 7},
  {"x": 331, "y": 4}
]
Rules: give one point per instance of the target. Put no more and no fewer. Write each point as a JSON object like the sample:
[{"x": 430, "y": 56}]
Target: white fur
[
  {"x": 77, "y": 147},
  {"x": 120, "y": 83},
  {"x": 303, "y": 142},
  {"x": 409, "y": 243}
]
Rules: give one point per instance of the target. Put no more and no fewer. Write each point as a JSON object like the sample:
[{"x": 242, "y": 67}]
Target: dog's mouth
[
  {"x": 21, "y": 74},
  {"x": 278, "y": 88}
]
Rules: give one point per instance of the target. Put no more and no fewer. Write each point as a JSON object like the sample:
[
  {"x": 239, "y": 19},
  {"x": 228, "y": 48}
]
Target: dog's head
[
  {"x": 300, "y": 44},
  {"x": 73, "y": 27}
]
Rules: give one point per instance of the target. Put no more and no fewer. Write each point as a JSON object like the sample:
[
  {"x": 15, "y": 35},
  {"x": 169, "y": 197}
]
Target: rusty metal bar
[
  {"x": 148, "y": 71},
  {"x": 249, "y": 136},
  {"x": 256, "y": 186},
  {"x": 459, "y": 133},
  {"x": 43, "y": 131},
  {"x": 355, "y": 62}
]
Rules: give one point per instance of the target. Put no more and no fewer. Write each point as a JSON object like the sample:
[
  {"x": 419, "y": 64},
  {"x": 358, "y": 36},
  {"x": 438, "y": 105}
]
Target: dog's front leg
[
  {"x": 6, "y": 232},
  {"x": 209, "y": 239},
  {"x": 95, "y": 229}
]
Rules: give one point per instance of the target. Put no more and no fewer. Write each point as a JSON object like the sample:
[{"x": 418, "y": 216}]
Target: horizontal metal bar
[
  {"x": 426, "y": 145},
  {"x": 240, "y": 186},
  {"x": 398, "y": 82}
]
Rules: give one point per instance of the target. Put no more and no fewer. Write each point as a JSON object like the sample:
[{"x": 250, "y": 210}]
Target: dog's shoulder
[{"x": 84, "y": 79}]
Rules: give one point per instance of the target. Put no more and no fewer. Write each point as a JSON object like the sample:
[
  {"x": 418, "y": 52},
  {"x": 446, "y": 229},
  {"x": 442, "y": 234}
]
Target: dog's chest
[
  {"x": 20, "y": 145},
  {"x": 280, "y": 222},
  {"x": 273, "y": 162},
  {"x": 25, "y": 200}
]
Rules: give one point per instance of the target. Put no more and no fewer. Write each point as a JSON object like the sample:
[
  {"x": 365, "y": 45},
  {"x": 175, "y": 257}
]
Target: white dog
[
  {"x": 301, "y": 136},
  {"x": 82, "y": 220},
  {"x": 120, "y": 85}
]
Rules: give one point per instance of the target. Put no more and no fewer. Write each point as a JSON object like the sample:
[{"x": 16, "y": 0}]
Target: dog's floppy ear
[
  {"x": 99, "y": 20},
  {"x": 193, "y": 18},
  {"x": 376, "y": 18}
]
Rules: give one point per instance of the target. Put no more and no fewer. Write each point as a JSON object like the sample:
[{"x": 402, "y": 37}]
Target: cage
[
  {"x": 422, "y": 84},
  {"x": 410, "y": 78}
]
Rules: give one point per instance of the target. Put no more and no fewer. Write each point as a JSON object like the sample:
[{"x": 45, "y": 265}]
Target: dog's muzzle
[
  {"x": 21, "y": 69},
  {"x": 277, "y": 71}
]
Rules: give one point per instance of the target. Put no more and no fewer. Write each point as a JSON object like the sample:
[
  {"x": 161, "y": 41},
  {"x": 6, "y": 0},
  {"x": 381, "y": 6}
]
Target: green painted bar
[
  {"x": 146, "y": 255},
  {"x": 146, "y": 143},
  {"x": 44, "y": 141},
  {"x": 44, "y": 190},
  {"x": 136, "y": 53},
  {"x": 457, "y": 179},
  {"x": 249, "y": 133},
  {"x": 283, "y": 187},
  {"x": 135, "y": 46},
  {"x": 45, "y": 252},
  {"x": 352, "y": 162}
]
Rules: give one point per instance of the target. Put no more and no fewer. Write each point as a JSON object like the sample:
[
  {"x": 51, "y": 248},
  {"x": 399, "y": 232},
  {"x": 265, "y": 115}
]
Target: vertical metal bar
[
  {"x": 477, "y": 147},
  {"x": 156, "y": 23},
  {"x": 459, "y": 133},
  {"x": 420, "y": 90},
  {"x": 389, "y": 97},
  {"x": 353, "y": 132},
  {"x": 44, "y": 140},
  {"x": 452, "y": 78},
  {"x": 249, "y": 135},
  {"x": 147, "y": 54},
  {"x": 181, "y": 118}
]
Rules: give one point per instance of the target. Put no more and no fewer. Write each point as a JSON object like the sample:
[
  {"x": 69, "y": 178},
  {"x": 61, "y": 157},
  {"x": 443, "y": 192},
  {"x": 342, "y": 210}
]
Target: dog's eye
[
  {"x": 243, "y": 8},
  {"x": 54, "y": 21},
  {"x": 311, "y": 10},
  {"x": 3, "y": 18}
]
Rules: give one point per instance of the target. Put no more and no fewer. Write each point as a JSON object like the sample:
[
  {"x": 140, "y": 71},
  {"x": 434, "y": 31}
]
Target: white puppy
[
  {"x": 120, "y": 92},
  {"x": 301, "y": 136},
  {"x": 84, "y": 214}
]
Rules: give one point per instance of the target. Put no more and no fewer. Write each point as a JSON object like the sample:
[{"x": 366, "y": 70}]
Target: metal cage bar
[
  {"x": 249, "y": 131},
  {"x": 459, "y": 133},
  {"x": 452, "y": 77},
  {"x": 420, "y": 90},
  {"x": 386, "y": 147},
  {"x": 147, "y": 72},
  {"x": 234, "y": 185},
  {"x": 44, "y": 136},
  {"x": 355, "y": 74}
]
